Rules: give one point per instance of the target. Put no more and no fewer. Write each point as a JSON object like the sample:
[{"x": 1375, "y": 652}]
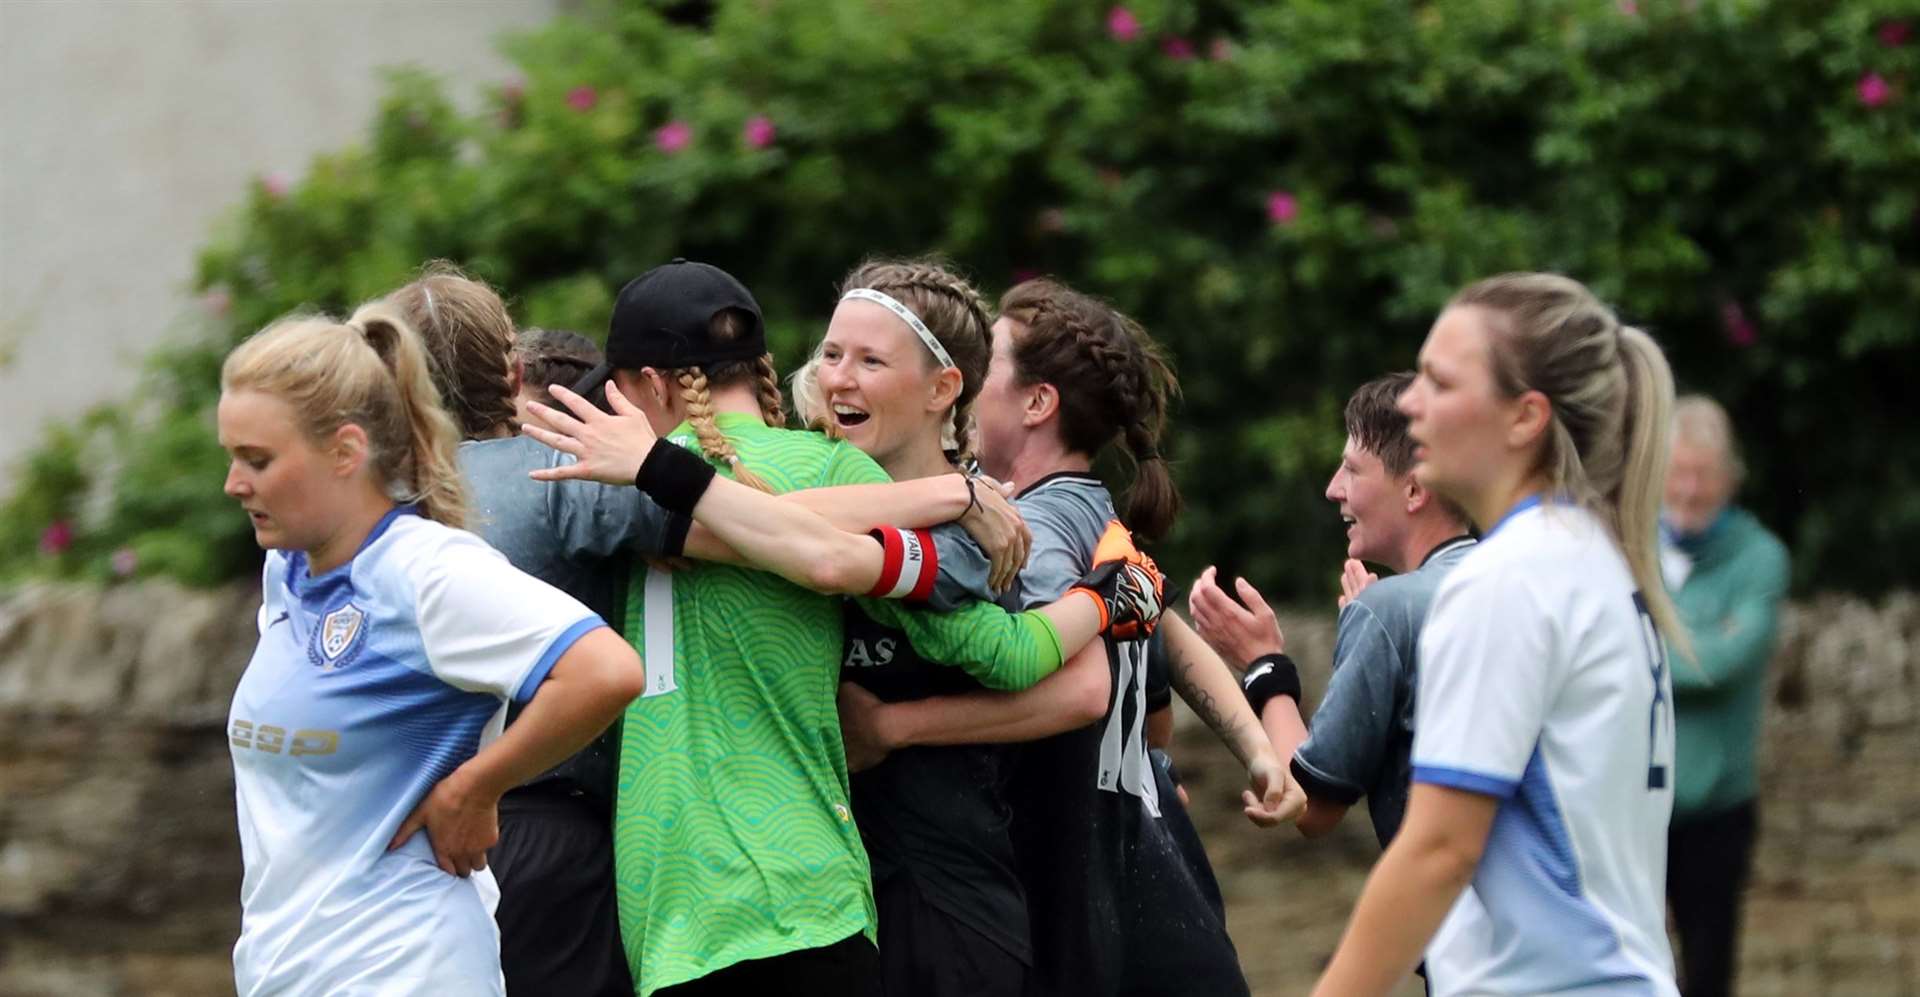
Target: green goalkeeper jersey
[{"x": 733, "y": 836}]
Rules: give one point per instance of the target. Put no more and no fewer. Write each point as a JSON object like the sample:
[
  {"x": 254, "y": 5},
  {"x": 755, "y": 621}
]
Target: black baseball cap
[{"x": 663, "y": 319}]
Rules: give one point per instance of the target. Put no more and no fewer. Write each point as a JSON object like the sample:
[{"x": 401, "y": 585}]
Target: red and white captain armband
[{"x": 909, "y": 565}]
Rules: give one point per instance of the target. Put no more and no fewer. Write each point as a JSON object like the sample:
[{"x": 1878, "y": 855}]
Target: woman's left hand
[
  {"x": 1272, "y": 797},
  {"x": 608, "y": 448},
  {"x": 996, "y": 525},
  {"x": 461, "y": 824}
]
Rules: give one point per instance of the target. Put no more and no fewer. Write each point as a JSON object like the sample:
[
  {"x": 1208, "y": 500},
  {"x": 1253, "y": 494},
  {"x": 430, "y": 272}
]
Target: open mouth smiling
[{"x": 846, "y": 416}]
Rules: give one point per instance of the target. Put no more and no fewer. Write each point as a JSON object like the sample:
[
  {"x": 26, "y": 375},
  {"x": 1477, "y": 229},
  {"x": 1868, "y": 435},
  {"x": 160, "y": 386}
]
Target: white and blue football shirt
[
  {"x": 1543, "y": 684},
  {"x": 370, "y": 683}
]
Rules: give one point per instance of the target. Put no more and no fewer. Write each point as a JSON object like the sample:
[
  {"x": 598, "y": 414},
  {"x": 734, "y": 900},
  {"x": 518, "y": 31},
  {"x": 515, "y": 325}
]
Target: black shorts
[
  {"x": 559, "y": 926},
  {"x": 926, "y": 952},
  {"x": 848, "y": 968}
]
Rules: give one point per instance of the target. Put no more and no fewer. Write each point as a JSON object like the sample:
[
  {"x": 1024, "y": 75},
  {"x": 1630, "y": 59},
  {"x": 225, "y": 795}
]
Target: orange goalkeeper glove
[{"x": 1126, "y": 584}]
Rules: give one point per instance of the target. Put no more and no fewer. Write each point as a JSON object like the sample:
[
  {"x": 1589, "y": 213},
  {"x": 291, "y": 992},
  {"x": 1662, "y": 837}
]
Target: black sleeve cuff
[{"x": 1323, "y": 789}]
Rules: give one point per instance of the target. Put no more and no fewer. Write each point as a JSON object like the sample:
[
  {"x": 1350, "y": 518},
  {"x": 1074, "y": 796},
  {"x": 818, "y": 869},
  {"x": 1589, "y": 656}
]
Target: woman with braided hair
[{"x": 1114, "y": 905}]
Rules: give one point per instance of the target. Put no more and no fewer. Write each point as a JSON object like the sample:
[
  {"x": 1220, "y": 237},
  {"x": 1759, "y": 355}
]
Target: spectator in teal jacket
[{"x": 1727, "y": 574}]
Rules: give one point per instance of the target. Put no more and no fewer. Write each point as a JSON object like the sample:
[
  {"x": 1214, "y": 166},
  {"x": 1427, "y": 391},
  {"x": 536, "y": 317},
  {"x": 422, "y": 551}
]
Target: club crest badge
[{"x": 339, "y": 637}]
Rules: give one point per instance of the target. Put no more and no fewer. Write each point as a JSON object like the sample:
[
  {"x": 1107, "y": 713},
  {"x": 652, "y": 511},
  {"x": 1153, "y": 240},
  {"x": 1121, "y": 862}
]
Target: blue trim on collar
[
  {"x": 1518, "y": 507},
  {"x": 297, "y": 576}
]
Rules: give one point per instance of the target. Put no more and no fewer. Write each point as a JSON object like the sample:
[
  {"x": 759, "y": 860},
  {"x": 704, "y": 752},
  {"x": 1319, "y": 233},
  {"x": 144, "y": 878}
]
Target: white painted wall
[{"x": 128, "y": 126}]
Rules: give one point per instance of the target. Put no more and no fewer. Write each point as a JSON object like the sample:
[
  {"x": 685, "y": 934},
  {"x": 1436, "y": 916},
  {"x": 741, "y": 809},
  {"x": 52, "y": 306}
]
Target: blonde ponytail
[
  {"x": 1611, "y": 395},
  {"x": 1636, "y": 502},
  {"x": 372, "y": 372},
  {"x": 423, "y": 464},
  {"x": 713, "y": 443}
]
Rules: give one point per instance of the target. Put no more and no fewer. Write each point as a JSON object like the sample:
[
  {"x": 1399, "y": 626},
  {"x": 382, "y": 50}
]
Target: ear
[
  {"x": 349, "y": 450},
  {"x": 1532, "y": 413},
  {"x": 1043, "y": 404},
  {"x": 946, "y": 389},
  {"x": 1417, "y": 496}
]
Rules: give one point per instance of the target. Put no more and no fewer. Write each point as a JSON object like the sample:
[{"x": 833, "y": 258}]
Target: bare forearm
[
  {"x": 1209, "y": 688},
  {"x": 1409, "y": 892},
  {"x": 587, "y": 690},
  {"x": 1070, "y": 698},
  {"x": 915, "y": 504},
  {"x": 1405, "y": 899},
  {"x": 1075, "y": 617},
  {"x": 1280, "y": 718},
  {"x": 787, "y": 538}
]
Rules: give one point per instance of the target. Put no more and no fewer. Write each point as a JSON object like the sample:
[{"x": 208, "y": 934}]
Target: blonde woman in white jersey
[{"x": 1543, "y": 745}]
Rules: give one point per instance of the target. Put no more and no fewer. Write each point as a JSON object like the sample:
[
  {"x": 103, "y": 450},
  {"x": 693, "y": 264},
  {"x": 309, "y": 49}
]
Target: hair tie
[{"x": 906, "y": 315}]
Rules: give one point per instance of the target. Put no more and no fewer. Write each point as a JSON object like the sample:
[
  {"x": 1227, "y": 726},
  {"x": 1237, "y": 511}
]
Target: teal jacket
[{"x": 1729, "y": 603}]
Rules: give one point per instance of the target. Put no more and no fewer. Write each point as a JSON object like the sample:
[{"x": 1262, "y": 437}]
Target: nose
[
  {"x": 832, "y": 374},
  {"x": 236, "y": 486},
  {"x": 1410, "y": 401},
  {"x": 1336, "y": 486}
]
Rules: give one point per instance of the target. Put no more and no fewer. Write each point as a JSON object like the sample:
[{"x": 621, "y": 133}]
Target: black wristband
[
  {"x": 674, "y": 477},
  {"x": 1268, "y": 676}
]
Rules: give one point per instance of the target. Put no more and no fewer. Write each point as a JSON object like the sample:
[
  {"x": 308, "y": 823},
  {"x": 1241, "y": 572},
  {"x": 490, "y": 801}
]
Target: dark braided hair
[
  {"x": 953, "y": 311},
  {"x": 1113, "y": 381},
  {"x": 553, "y": 356}
]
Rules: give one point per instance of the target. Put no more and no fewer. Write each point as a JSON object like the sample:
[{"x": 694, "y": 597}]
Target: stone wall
[{"x": 120, "y": 872}]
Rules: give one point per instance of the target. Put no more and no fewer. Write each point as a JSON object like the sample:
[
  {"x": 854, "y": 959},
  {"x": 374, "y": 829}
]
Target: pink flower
[
  {"x": 1221, "y": 50},
  {"x": 1740, "y": 331},
  {"x": 583, "y": 98},
  {"x": 1282, "y": 207},
  {"x": 125, "y": 562},
  {"x": 56, "y": 538},
  {"x": 1874, "y": 90},
  {"x": 1176, "y": 48},
  {"x": 758, "y": 132},
  {"x": 218, "y": 301},
  {"x": 1122, "y": 25},
  {"x": 1629, "y": 8},
  {"x": 673, "y": 137},
  {"x": 1894, "y": 34},
  {"x": 276, "y": 185}
]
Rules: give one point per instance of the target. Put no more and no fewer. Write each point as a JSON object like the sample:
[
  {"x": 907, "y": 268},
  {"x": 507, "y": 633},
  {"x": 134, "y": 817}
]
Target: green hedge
[{"x": 1283, "y": 192}]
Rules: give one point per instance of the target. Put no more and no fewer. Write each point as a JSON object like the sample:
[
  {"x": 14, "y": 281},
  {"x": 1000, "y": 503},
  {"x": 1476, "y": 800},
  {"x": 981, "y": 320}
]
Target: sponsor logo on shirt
[
  {"x": 338, "y": 639},
  {"x": 274, "y": 739},
  {"x": 864, "y": 654}
]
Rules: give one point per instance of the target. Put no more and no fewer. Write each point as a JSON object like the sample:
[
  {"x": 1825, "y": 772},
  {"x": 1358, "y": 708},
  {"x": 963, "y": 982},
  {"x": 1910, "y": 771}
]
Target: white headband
[{"x": 906, "y": 315}]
